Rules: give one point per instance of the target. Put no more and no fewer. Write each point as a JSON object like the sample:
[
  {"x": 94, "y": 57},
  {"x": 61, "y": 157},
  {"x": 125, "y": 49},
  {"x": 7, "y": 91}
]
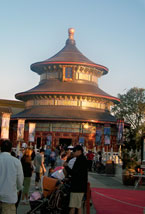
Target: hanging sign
[
  {"x": 98, "y": 137},
  {"x": 120, "y": 126},
  {"x": 32, "y": 132},
  {"x": 5, "y": 126},
  {"x": 20, "y": 129},
  {"x": 48, "y": 140},
  {"x": 107, "y": 133},
  {"x": 81, "y": 140}
]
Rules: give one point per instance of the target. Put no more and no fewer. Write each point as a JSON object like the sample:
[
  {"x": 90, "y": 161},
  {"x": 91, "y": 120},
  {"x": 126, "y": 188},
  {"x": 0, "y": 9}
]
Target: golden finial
[{"x": 71, "y": 33}]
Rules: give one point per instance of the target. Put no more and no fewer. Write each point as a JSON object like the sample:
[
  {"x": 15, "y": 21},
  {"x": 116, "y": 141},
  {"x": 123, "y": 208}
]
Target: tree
[{"x": 132, "y": 109}]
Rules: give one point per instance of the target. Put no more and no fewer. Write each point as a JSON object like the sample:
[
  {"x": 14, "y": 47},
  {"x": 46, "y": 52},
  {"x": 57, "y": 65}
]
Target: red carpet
[{"x": 118, "y": 201}]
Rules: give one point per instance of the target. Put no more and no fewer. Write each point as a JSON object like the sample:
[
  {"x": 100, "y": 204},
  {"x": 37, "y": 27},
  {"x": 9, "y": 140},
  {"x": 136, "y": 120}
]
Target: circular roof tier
[
  {"x": 55, "y": 113},
  {"x": 69, "y": 55},
  {"x": 68, "y": 88}
]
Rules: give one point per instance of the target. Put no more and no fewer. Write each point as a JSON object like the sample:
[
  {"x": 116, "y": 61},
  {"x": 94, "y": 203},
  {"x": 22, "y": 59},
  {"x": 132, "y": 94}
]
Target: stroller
[{"x": 54, "y": 198}]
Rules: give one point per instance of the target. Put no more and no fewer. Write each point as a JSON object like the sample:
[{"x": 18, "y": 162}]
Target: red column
[{"x": 88, "y": 199}]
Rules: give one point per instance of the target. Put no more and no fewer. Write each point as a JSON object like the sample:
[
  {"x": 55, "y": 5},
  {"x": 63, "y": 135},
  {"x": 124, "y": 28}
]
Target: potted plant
[{"x": 128, "y": 168}]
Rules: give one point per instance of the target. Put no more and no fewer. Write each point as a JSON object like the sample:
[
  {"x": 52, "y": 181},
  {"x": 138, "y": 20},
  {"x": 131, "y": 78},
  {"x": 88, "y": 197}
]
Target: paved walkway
[{"x": 96, "y": 180}]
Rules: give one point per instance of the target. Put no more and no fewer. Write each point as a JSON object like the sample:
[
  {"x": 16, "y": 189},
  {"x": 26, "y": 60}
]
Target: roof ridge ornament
[
  {"x": 71, "y": 40},
  {"x": 71, "y": 33}
]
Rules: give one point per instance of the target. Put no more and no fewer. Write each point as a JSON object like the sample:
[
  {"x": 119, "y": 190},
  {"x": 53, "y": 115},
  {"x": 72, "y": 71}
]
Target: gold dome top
[{"x": 71, "y": 33}]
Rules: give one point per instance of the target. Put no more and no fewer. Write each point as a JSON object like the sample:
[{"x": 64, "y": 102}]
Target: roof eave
[
  {"x": 21, "y": 95},
  {"x": 64, "y": 119},
  {"x": 38, "y": 67}
]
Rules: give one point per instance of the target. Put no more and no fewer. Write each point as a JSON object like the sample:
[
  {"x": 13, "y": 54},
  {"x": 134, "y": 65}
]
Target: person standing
[
  {"x": 21, "y": 153},
  {"x": 52, "y": 158},
  {"x": 11, "y": 179},
  {"x": 47, "y": 155},
  {"x": 33, "y": 154},
  {"x": 79, "y": 179},
  {"x": 39, "y": 167},
  {"x": 27, "y": 169},
  {"x": 90, "y": 157}
]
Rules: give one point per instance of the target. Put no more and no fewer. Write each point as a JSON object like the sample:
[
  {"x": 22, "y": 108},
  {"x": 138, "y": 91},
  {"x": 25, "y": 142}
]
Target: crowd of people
[
  {"x": 63, "y": 162},
  {"x": 16, "y": 172}
]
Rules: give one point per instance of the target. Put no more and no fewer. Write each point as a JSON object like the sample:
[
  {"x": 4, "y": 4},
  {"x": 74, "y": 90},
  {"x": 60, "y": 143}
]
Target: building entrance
[
  {"x": 65, "y": 142},
  {"x": 38, "y": 142}
]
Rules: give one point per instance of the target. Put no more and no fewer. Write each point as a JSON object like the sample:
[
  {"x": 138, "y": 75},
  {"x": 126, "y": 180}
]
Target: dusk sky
[{"x": 108, "y": 32}]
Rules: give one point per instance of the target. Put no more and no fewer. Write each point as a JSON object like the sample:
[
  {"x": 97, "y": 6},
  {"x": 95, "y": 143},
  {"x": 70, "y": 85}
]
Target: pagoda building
[{"x": 67, "y": 105}]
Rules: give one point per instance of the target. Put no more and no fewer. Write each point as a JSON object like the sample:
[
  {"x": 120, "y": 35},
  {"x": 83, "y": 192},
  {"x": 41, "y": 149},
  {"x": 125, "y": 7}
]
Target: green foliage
[
  {"x": 132, "y": 109},
  {"x": 129, "y": 160}
]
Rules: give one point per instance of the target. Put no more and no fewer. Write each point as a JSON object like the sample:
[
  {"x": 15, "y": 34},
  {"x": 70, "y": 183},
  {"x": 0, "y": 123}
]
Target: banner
[
  {"x": 98, "y": 137},
  {"x": 120, "y": 126},
  {"x": 48, "y": 140},
  {"x": 20, "y": 129},
  {"x": 81, "y": 140},
  {"x": 5, "y": 125},
  {"x": 32, "y": 132},
  {"x": 107, "y": 133}
]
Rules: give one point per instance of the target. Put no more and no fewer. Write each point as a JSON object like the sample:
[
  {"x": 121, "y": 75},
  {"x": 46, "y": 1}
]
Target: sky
[{"x": 108, "y": 32}]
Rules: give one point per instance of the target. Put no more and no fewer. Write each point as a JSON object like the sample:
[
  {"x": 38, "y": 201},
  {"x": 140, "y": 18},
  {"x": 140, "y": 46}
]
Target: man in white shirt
[{"x": 11, "y": 179}]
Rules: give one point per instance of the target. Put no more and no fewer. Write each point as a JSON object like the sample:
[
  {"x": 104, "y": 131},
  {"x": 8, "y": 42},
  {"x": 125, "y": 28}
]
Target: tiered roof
[{"x": 69, "y": 55}]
